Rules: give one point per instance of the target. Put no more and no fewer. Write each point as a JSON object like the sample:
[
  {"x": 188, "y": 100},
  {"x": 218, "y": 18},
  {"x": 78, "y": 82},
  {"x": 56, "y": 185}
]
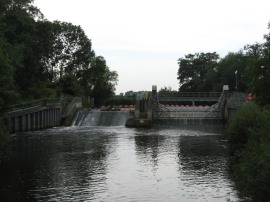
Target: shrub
[
  {"x": 247, "y": 118},
  {"x": 249, "y": 144},
  {"x": 252, "y": 171}
]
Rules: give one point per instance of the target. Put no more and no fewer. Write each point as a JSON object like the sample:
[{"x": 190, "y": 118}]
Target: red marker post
[{"x": 249, "y": 96}]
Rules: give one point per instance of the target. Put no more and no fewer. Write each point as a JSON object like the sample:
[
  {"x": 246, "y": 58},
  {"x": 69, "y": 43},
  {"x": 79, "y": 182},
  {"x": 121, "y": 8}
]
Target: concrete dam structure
[
  {"x": 42, "y": 114},
  {"x": 150, "y": 110},
  {"x": 101, "y": 118}
]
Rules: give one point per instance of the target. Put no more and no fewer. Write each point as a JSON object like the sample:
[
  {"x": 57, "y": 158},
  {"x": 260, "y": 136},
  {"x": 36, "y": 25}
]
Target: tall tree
[
  {"x": 69, "y": 51},
  {"x": 258, "y": 69},
  {"x": 232, "y": 71},
  {"x": 103, "y": 80},
  {"x": 7, "y": 90},
  {"x": 193, "y": 69},
  {"x": 19, "y": 31}
]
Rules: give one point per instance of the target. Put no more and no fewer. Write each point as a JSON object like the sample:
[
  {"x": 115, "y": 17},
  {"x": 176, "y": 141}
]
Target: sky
[{"x": 143, "y": 39}]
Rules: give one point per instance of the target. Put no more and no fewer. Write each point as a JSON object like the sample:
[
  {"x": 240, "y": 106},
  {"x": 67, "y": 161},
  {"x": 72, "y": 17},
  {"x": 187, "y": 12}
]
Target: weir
[
  {"x": 42, "y": 114},
  {"x": 150, "y": 110},
  {"x": 101, "y": 118}
]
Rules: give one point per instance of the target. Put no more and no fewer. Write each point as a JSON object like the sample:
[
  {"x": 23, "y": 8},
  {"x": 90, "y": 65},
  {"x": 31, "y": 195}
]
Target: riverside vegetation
[
  {"x": 249, "y": 149},
  {"x": 44, "y": 59}
]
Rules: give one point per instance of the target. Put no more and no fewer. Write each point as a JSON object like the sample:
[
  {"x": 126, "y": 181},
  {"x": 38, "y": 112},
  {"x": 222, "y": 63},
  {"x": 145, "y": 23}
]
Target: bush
[
  {"x": 249, "y": 143},
  {"x": 247, "y": 118},
  {"x": 252, "y": 171}
]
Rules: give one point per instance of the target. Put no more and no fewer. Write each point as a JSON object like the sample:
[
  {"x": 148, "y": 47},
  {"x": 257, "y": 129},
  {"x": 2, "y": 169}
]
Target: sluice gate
[{"x": 151, "y": 110}]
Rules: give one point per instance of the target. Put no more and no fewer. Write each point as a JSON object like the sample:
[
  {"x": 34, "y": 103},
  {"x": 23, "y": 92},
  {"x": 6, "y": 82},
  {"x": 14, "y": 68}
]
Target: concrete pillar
[
  {"x": 32, "y": 124},
  {"x": 28, "y": 122},
  {"x": 54, "y": 116},
  {"x": 58, "y": 116},
  {"x": 41, "y": 113},
  {"x": 15, "y": 124},
  {"x": 51, "y": 117},
  {"x": 19, "y": 119},
  {"x": 48, "y": 118},
  {"x": 12, "y": 125},
  {"x": 44, "y": 118},
  {"x": 23, "y": 122},
  {"x": 37, "y": 121}
]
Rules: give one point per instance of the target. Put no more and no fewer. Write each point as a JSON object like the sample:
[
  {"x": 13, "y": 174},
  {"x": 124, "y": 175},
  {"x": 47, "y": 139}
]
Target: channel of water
[{"x": 98, "y": 159}]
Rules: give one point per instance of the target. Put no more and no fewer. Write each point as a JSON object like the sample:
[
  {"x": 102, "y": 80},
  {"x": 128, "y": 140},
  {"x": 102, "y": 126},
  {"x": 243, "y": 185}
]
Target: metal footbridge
[
  {"x": 186, "y": 107},
  {"x": 216, "y": 110}
]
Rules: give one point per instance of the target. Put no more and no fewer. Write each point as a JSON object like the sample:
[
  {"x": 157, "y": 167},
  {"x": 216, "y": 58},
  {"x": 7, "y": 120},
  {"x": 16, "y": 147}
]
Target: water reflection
[
  {"x": 117, "y": 164},
  {"x": 147, "y": 147}
]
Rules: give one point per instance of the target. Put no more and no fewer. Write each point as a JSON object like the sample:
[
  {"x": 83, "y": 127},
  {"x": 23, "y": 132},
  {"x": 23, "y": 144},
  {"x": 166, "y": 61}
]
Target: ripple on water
[{"x": 118, "y": 164}]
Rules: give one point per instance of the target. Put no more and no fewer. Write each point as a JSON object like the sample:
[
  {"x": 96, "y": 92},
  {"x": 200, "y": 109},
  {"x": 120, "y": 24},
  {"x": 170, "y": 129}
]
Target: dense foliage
[
  {"x": 39, "y": 58},
  {"x": 247, "y": 70},
  {"x": 249, "y": 148}
]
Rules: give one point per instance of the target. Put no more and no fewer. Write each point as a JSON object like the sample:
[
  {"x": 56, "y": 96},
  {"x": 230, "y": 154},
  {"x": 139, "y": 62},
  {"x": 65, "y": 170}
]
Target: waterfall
[{"x": 101, "y": 118}]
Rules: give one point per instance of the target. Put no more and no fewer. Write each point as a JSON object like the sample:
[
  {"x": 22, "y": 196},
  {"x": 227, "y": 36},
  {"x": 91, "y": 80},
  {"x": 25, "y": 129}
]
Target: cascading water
[{"x": 101, "y": 118}]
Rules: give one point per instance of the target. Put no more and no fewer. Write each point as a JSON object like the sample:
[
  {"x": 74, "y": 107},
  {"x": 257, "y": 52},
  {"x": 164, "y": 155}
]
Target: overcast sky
[{"x": 143, "y": 39}]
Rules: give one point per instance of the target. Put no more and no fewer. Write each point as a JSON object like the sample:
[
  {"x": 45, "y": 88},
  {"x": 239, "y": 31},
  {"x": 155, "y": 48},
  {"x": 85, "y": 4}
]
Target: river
[{"x": 114, "y": 163}]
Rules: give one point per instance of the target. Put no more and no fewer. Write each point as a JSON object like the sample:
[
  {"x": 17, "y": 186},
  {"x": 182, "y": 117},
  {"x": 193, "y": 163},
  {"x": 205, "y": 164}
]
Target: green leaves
[
  {"x": 103, "y": 80},
  {"x": 194, "y": 70},
  {"x": 249, "y": 145},
  {"x": 206, "y": 72},
  {"x": 42, "y": 58}
]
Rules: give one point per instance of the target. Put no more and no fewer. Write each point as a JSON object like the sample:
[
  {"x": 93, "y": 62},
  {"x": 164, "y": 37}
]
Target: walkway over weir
[
  {"x": 190, "y": 96},
  {"x": 149, "y": 109}
]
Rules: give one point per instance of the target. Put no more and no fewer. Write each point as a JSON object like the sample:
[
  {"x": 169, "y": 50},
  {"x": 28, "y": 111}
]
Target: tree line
[
  {"x": 208, "y": 72},
  {"x": 40, "y": 58},
  {"x": 248, "y": 132}
]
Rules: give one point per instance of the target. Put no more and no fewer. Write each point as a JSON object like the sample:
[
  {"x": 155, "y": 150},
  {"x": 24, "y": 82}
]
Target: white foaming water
[{"x": 103, "y": 118}]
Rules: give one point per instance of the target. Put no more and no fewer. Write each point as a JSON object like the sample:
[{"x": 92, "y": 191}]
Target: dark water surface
[{"x": 98, "y": 163}]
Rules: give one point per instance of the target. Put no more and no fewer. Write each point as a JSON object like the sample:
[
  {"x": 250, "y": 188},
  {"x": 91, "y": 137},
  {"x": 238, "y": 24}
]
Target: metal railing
[
  {"x": 71, "y": 106},
  {"x": 35, "y": 103},
  {"x": 213, "y": 111},
  {"x": 190, "y": 94}
]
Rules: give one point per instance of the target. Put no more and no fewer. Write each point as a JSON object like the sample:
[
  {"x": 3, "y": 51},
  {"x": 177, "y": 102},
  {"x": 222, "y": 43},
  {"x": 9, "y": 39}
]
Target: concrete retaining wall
[{"x": 35, "y": 118}]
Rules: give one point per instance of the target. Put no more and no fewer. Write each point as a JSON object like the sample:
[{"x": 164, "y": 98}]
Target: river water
[{"x": 114, "y": 163}]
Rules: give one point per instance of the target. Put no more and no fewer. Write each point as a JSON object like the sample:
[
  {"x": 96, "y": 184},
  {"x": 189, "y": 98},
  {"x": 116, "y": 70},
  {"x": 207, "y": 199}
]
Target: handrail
[
  {"x": 190, "y": 94},
  {"x": 71, "y": 106},
  {"x": 35, "y": 103}
]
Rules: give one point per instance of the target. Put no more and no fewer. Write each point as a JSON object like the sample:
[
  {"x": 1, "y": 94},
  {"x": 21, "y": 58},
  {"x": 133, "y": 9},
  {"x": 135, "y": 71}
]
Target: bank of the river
[{"x": 249, "y": 149}]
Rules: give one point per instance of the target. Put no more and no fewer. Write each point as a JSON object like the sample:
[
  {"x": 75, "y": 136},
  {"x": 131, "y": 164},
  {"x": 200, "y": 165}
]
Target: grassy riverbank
[{"x": 249, "y": 149}]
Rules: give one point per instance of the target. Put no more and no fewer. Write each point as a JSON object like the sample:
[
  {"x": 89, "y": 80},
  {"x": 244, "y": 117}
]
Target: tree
[
  {"x": 103, "y": 80},
  {"x": 193, "y": 69},
  {"x": 39, "y": 57},
  {"x": 7, "y": 91},
  {"x": 69, "y": 51},
  {"x": 19, "y": 32},
  {"x": 227, "y": 68},
  {"x": 258, "y": 70}
]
